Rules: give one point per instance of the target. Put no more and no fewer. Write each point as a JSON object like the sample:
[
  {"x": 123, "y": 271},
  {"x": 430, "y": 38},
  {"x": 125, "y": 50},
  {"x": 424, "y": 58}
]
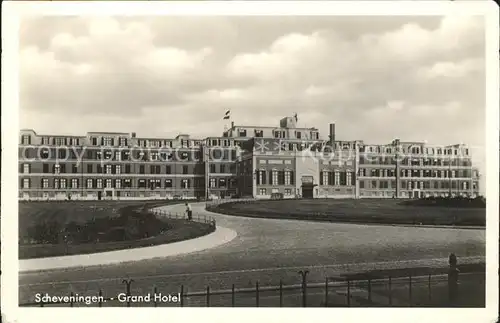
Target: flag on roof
[{"x": 227, "y": 115}]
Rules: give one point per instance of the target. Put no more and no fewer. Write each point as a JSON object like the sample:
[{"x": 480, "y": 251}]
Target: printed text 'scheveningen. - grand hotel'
[{"x": 246, "y": 161}]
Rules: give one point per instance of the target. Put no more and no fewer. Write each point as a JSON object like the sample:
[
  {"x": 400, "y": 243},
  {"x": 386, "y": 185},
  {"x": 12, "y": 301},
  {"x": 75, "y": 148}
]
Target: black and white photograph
[{"x": 273, "y": 160}]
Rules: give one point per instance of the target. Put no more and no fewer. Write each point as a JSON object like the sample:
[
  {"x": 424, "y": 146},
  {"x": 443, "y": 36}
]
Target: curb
[{"x": 217, "y": 238}]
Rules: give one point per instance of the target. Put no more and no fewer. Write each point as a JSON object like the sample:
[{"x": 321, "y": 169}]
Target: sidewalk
[{"x": 219, "y": 237}]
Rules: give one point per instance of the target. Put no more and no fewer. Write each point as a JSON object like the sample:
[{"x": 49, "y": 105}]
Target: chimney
[
  {"x": 332, "y": 133},
  {"x": 133, "y": 134}
]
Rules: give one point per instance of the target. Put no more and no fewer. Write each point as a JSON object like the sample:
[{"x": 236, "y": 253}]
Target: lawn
[
  {"x": 355, "y": 211},
  {"x": 70, "y": 228}
]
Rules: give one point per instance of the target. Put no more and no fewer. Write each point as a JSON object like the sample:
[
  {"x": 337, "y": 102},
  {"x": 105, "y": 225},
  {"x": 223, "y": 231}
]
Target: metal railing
[
  {"x": 182, "y": 215},
  {"x": 440, "y": 289}
]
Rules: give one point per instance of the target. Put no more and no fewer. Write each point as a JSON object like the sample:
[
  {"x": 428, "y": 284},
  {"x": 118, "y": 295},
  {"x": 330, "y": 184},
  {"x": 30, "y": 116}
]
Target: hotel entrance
[{"x": 307, "y": 187}]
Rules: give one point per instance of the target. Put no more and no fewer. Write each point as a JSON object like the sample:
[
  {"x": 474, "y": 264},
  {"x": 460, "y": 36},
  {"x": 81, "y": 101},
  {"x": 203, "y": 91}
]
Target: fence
[
  {"x": 438, "y": 289},
  {"x": 213, "y": 203},
  {"x": 182, "y": 215}
]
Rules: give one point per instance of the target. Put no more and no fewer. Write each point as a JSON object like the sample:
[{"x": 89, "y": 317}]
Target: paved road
[{"x": 267, "y": 251}]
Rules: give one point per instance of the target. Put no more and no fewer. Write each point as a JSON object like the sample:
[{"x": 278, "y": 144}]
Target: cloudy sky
[{"x": 377, "y": 78}]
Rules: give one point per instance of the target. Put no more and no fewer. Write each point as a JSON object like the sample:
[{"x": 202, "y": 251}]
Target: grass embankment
[
  {"x": 366, "y": 211},
  {"x": 71, "y": 228}
]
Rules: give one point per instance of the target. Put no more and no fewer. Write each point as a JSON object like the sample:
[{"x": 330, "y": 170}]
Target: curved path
[
  {"x": 219, "y": 237},
  {"x": 267, "y": 250}
]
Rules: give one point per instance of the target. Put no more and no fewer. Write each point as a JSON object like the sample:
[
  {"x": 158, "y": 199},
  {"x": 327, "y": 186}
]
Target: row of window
[
  {"x": 108, "y": 141},
  {"x": 222, "y": 183},
  {"x": 222, "y": 169},
  {"x": 415, "y": 150},
  {"x": 128, "y": 155},
  {"x": 464, "y": 185},
  {"x": 288, "y": 191},
  {"x": 336, "y": 178},
  {"x": 107, "y": 169},
  {"x": 56, "y": 141},
  {"x": 74, "y": 183},
  {"x": 415, "y": 161},
  {"x": 427, "y": 173},
  {"x": 275, "y": 177}
]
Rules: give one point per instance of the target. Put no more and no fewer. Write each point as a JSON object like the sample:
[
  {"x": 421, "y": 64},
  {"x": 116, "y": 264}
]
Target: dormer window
[{"x": 26, "y": 140}]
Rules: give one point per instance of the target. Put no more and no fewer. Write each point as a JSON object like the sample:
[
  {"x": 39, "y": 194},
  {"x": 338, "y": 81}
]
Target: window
[
  {"x": 262, "y": 191},
  {"x": 185, "y": 169},
  {"x": 89, "y": 183},
  {"x": 168, "y": 183},
  {"x": 325, "y": 178},
  {"x": 127, "y": 169},
  {"x": 26, "y": 168},
  {"x": 74, "y": 168},
  {"x": 118, "y": 169},
  {"x": 108, "y": 183},
  {"x": 57, "y": 169},
  {"x": 185, "y": 183},
  {"x": 259, "y": 133},
  {"x": 349, "y": 179},
  {"x": 222, "y": 182},
  {"x": 168, "y": 169},
  {"x": 288, "y": 177},
  {"x": 155, "y": 183},
  {"x": 45, "y": 183},
  {"x": 288, "y": 191},
  {"x": 26, "y": 140},
  {"x": 127, "y": 183},
  {"x": 154, "y": 156},
  {"x": 45, "y": 140},
  {"x": 56, "y": 182},
  {"x": 242, "y": 133},
  {"x": 118, "y": 183},
  {"x": 122, "y": 141},
  {"x": 141, "y": 183},
  {"x": 222, "y": 168},
  {"x": 26, "y": 183},
  {"x": 141, "y": 169},
  {"x": 337, "y": 179},
  {"x": 45, "y": 168},
  {"x": 60, "y": 141},
  {"x": 274, "y": 177},
  {"x": 63, "y": 182},
  {"x": 213, "y": 183},
  {"x": 99, "y": 183},
  {"x": 118, "y": 156},
  {"x": 74, "y": 183},
  {"x": 89, "y": 169},
  {"x": 108, "y": 169},
  {"x": 107, "y": 141},
  {"x": 298, "y": 135}
]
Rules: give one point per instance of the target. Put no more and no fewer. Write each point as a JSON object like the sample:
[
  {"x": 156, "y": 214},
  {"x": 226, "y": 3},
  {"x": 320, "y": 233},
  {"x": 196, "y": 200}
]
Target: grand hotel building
[{"x": 246, "y": 161}]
